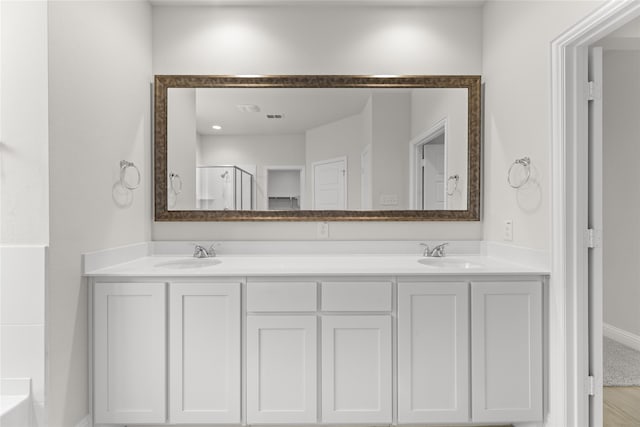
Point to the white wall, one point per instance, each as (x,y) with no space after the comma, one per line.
(24,201)
(517,100)
(296,40)
(342,138)
(391,119)
(181,147)
(621,97)
(255,150)
(430,107)
(516,74)
(24,194)
(99,104)
(23,275)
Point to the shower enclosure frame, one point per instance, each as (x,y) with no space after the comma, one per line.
(237,170)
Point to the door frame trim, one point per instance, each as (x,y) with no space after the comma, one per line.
(568,331)
(441,126)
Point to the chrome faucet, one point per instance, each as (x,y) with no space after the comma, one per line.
(437,251)
(202,252)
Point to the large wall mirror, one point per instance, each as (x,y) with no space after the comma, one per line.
(311,148)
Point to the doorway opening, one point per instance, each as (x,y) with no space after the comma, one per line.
(285,188)
(614,206)
(577,250)
(428,164)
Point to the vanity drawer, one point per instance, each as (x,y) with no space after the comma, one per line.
(361,296)
(281,296)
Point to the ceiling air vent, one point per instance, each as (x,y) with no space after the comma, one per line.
(248,108)
(275,116)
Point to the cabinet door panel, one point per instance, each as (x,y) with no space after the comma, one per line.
(356,369)
(281,369)
(129,353)
(507,351)
(433,352)
(204,353)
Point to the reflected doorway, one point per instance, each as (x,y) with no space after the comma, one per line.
(428,158)
(285,188)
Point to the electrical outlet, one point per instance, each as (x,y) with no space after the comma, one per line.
(389,199)
(323,230)
(508,230)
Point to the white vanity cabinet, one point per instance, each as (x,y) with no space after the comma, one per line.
(204,353)
(356,369)
(497,331)
(357,351)
(129,368)
(433,352)
(348,335)
(282,352)
(318,350)
(281,369)
(131,343)
(506,343)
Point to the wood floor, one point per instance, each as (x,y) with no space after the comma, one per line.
(621,406)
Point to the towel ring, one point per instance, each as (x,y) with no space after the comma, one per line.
(525,162)
(124,165)
(173,177)
(455,178)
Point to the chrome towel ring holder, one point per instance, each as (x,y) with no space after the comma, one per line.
(124,165)
(173,178)
(525,163)
(456,179)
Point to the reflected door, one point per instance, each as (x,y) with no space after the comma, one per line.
(330,184)
(433,175)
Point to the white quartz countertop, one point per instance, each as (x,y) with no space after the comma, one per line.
(312,265)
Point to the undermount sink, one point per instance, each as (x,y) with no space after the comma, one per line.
(436,262)
(187,263)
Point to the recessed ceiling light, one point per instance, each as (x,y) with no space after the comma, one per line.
(216,127)
(248,76)
(385,75)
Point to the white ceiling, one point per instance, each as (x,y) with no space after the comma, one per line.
(302,109)
(430,3)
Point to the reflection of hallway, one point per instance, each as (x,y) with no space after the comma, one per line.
(621,406)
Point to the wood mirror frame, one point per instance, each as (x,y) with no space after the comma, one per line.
(164,82)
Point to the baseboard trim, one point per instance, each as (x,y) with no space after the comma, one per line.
(85,422)
(621,336)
